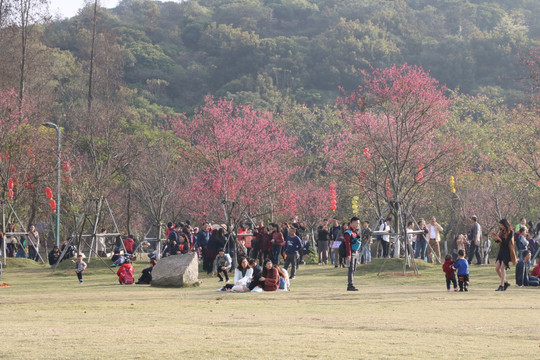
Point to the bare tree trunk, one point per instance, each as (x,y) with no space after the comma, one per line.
(128,215)
(25,11)
(91,74)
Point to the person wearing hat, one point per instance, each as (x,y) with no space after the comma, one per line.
(475,238)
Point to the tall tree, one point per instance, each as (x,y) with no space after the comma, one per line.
(28,14)
(239,156)
(394,143)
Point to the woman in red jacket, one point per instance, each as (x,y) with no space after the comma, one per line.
(277,243)
(269,280)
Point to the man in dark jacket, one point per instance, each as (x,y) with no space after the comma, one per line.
(523,268)
(293,244)
(475,236)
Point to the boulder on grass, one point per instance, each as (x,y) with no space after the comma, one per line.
(176,271)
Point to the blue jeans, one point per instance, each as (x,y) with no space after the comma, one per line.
(421,246)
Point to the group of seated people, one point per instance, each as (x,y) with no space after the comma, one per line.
(250,276)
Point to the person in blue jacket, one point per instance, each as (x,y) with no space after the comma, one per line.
(462,266)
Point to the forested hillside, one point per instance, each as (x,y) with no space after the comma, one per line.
(268,52)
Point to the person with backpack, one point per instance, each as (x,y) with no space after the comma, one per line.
(125,273)
(352,243)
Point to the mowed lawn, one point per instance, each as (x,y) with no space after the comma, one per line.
(50,316)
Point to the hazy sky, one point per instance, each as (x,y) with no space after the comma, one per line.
(68,8)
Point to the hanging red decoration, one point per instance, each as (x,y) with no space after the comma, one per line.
(333,197)
(367,153)
(420,172)
(388,192)
(48,193)
(10,194)
(52,204)
(11,184)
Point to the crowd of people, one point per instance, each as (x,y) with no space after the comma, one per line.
(280,248)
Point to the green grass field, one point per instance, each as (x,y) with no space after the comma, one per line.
(50,316)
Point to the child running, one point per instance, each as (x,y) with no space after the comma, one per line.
(450,272)
(462,267)
(80,265)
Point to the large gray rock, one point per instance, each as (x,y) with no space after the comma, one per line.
(176,270)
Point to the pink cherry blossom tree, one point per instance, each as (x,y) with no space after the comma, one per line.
(239,159)
(395,141)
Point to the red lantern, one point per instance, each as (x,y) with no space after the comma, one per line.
(388,193)
(10,194)
(367,154)
(48,193)
(332,186)
(52,204)
(333,202)
(333,207)
(11,184)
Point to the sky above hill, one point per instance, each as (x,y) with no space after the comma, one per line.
(68,8)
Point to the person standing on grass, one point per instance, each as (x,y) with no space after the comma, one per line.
(365,253)
(450,272)
(277,243)
(80,265)
(462,266)
(434,240)
(336,236)
(352,244)
(292,246)
(475,236)
(323,239)
(385,238)
(33,243)
(506,254)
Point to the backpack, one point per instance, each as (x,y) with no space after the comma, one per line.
(126,278)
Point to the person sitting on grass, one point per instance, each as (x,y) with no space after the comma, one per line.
(462,266)
(522,271)
(242,275)
(125,273)
(223,265)
(450,272)
(54,255)
(284,283)
(257,273)
(146,276)
(269,280)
